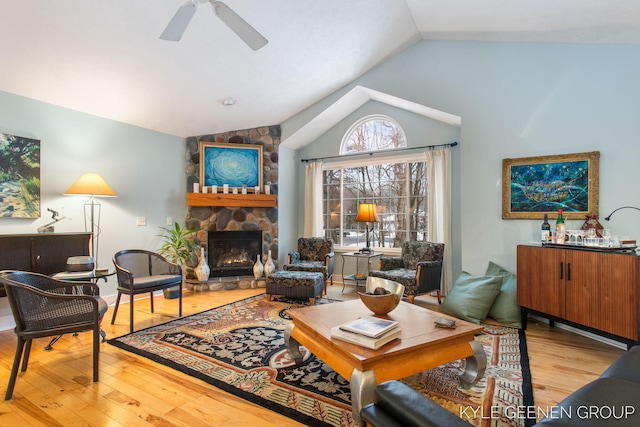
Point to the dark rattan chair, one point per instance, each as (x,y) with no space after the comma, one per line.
(141,271)
(45,307)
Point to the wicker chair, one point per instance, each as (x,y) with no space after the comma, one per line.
(418,268)
(141,271)
(46,307)
(314,254)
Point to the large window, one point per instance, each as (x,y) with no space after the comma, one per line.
(397,185)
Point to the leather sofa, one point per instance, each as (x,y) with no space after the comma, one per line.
(611,400)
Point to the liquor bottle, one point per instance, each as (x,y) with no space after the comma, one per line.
(546,230)
(560,231)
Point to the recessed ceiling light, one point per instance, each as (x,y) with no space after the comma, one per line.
(229,101)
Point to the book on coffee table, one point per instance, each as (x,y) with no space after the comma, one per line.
(369,342)
(369,326)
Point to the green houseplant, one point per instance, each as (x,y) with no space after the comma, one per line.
(179,247)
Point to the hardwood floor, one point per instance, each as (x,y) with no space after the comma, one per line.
(133,391)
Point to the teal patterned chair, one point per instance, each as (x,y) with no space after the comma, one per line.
(418,268)
(314,254)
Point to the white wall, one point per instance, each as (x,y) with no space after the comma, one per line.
(519,100)
(145,169)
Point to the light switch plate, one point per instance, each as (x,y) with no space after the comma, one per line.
(141,220)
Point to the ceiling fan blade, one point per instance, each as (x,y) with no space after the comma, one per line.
(178,24)
(246,32)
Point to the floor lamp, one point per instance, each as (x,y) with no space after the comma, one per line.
(92,185)
(367,213)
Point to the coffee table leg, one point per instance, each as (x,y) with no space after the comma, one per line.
(363,385)
(292,345)
(476,365)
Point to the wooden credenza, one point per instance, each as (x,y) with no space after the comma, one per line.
(596,291)
(44,253)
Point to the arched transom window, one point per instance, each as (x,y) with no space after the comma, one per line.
(373,133)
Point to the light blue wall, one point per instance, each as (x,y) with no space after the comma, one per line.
(287,203)
(145,169)
(518,100)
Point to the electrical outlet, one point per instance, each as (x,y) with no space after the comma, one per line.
(141,220)
(169,220)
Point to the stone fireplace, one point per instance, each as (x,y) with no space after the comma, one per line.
(240,219)
(233,253)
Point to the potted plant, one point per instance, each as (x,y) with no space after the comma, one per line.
(179,247)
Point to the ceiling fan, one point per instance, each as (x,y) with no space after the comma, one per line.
(180,21)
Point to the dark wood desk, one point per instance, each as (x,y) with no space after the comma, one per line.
(44,253)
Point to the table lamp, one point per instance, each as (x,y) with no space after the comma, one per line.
(92,185)
(367,213)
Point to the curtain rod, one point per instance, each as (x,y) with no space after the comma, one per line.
(371,153)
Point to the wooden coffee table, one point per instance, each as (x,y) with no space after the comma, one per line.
(421,346)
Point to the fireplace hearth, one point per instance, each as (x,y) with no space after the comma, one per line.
(233,253)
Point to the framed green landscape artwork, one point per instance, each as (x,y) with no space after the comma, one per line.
(19,177)
(533,186)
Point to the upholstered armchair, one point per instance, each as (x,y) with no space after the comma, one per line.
(314,254)
(418,268)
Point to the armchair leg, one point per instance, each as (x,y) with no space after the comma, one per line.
(131,313)
(180,300)
(438,295)
(96,352)
(115,308)
(14,369)
(27,353)
(151,298)
(411,298)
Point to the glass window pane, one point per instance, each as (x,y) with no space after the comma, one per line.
(399,191)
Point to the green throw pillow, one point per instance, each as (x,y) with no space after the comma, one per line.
(494,269)
(471,297)
(505,308)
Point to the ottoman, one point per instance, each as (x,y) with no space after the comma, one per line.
(295,284)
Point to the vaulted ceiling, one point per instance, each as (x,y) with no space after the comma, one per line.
(105,57)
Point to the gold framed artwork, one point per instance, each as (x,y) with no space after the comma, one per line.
(232,164)
(533,186)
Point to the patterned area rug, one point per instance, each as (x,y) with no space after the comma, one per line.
(239,348)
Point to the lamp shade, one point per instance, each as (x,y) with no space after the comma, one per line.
(367,213)
(90,184)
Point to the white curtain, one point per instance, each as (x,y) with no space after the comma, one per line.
(439,205)
(313,200)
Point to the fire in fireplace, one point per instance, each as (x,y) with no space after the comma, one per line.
(233,253)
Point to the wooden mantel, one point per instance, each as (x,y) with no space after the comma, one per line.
(241,200)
